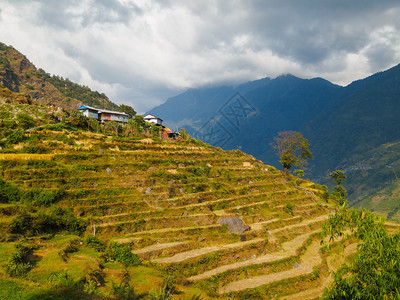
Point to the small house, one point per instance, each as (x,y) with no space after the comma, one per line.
(89,112)
(109,115)
(153,120)
(103,115)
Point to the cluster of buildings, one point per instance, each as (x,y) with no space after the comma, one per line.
(103,115)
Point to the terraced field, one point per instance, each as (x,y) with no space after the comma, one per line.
(221,223)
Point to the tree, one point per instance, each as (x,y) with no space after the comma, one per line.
(292,149)
(338,176)
(373,272)
(128,110)
(339,192)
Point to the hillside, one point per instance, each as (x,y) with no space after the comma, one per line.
(19,75)
(179,214)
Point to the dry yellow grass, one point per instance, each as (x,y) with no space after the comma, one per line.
(25,156)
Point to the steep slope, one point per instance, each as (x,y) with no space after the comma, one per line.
(18,74)
(205,217)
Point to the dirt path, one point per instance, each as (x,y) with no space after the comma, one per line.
(305,222)
(157,247)
(310,259)
(198,252)
(333,264)
(162,230)
(260,225)
(288,249)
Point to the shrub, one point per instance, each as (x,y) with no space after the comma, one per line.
(62,279)
(124,290)
(16,137)
(159,294)
(122,254)
(25,121)
(289,208)
(94,242)
(55,220)
(165,291)
(46,198)
(34,149)
(20,262)
(9,192)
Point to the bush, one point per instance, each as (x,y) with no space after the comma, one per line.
(124,290)
(53,221)
(25,121)
(9,192)
(122,254)
(62,279)
(20,262)
(16,137)
(47,198)
(34,149)
(94,242)
(165,291)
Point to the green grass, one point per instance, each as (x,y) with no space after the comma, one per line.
(11,289)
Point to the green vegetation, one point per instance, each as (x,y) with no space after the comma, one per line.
(373,271)
(339,193)
(115,212)
(122,254)
(292,149)
(79,92)
(20,262)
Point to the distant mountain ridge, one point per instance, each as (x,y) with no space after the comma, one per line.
(277,102)
(343,124)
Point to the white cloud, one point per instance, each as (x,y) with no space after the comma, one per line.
(139,52)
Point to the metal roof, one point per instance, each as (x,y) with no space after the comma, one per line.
(83,107)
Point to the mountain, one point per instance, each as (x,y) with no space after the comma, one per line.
(350,136)
(343,124)
(262,108)
(19,75)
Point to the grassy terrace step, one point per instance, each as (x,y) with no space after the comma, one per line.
(286,250)
(310,260)
(161,223)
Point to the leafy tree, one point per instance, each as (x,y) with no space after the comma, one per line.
(339,193)
(338,176)
(128,110)
(292,149)
(373,272)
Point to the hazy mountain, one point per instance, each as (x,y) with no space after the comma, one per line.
(249,116)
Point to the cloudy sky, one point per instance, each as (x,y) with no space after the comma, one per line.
(140,52)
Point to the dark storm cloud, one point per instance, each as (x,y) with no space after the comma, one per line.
(139,50)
